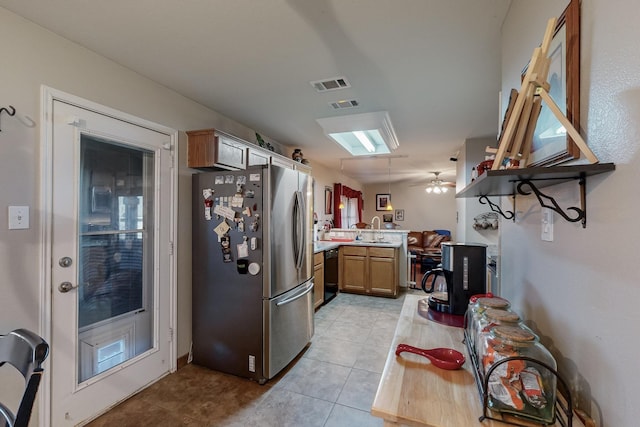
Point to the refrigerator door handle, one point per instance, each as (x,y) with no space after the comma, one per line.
(294,230)
(307,289)
(298,229)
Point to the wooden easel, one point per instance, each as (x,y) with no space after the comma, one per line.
(517,136)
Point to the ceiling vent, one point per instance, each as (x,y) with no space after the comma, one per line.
(338,105)
(335,83)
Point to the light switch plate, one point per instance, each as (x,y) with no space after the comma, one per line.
(547,225)
(18,217)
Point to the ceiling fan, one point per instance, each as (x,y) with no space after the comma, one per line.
(437,185)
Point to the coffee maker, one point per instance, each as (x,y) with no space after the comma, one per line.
(464,267)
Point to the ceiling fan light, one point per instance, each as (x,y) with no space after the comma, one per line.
(437,186)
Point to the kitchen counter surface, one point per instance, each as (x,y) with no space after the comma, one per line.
(413,392)
(325,245)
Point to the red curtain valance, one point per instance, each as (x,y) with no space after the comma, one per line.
(339,189)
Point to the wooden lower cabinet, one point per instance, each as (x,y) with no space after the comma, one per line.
(369,270)
(353,269)
(318,282)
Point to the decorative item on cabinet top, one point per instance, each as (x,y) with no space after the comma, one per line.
(262,143)
(297,155)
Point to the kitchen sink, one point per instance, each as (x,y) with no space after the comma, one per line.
(373,241)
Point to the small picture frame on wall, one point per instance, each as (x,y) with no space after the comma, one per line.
(382,200)
(387,218)
(399,214)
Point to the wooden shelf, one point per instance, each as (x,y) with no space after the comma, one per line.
(509,182)
(503,182)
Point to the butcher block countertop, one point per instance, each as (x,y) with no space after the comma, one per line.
(413,392)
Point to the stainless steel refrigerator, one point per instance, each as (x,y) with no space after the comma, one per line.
(252,269)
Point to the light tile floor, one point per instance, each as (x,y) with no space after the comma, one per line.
(331,384)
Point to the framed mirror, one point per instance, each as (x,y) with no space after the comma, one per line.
(328,201)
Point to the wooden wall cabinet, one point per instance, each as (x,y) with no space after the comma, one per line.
(318,281)
(208,149)
(258,157)
(369,270)
(283,162)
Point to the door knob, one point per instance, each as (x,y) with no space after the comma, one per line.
(65,287)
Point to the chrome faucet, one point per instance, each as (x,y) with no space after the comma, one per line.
(378,234)
(373,220)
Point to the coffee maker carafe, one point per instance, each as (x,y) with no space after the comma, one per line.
(464,268)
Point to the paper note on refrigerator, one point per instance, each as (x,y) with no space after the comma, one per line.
(224,211)
(222,229)
(237,201)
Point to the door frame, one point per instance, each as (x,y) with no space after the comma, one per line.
(47,96)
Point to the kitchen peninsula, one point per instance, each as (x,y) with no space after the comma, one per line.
(413,392)
(372,262)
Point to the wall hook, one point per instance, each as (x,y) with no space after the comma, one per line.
(5,110)
(27,121)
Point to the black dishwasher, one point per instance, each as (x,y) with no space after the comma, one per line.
(330,274)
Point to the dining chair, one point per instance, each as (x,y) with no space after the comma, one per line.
(25,351)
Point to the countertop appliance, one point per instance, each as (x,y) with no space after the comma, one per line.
(252,269)
(465,272)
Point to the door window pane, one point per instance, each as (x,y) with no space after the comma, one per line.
(116,224)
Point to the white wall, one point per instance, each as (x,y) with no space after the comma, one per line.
(325,177)
(581,291)
(422,211)
(473,152)
(33,56)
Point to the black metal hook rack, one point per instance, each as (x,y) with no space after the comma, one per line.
(484,200)
(550,203)
(564,406)
(510,182)
(10,111)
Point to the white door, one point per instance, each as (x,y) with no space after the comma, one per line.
(111,260)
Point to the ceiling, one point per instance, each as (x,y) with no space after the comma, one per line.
(434,65)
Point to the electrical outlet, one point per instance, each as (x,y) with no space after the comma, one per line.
(18,217)
(547,225)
